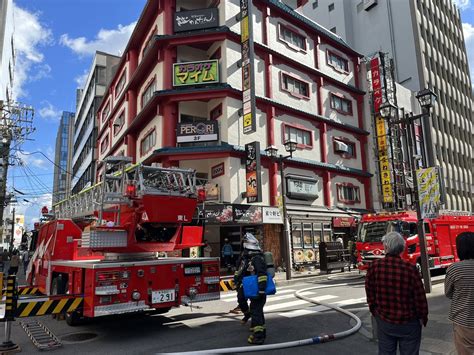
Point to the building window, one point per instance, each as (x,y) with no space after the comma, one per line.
(148,92)
(106,112)
(295,87)
(118,123)
(348,193)
(149,42)
(331,7)
(315,4)
(104,144)
(148,142)
(301,135)
(337,62)
(121,84)
(216,112)
(291,38)
(340,104)
(333,30)
(344,148)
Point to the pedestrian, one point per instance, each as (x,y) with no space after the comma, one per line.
(459,287)
(25,258)
(255,266)
(207,250)
(1,260)
(396,299)
(227,254)
(14,263)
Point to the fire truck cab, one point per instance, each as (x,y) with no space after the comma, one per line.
(108,245)
(440,235)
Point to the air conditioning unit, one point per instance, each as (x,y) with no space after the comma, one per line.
(368,4)
(341,147)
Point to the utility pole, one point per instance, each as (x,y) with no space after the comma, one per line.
(10,248)
(16,125)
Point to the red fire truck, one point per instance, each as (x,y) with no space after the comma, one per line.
(440,235)
(108,244)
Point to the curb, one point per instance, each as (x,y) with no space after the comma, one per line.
(318,277)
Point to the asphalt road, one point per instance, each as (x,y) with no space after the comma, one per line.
(210,325)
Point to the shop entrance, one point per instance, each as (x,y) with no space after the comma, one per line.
(234,235)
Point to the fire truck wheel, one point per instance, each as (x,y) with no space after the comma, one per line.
(74,318)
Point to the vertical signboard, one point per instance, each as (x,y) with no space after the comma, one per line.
(429,193)
(252,172)
(381,131)
(248,74)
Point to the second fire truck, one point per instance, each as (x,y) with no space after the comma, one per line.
(440,235)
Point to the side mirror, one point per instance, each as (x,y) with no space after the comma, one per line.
(405,229)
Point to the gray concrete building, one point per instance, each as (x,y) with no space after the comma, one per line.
(426,41)
(85,138)
(7,51)
(62,158)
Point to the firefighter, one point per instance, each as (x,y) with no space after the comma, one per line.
(256,266)
(242,302)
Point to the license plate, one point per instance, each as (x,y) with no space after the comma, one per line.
(162,296)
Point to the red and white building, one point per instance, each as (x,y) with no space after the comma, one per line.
(308,86)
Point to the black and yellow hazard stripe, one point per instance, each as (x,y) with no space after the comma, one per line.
(10,299)
(27,290)
(226,285)
(42,307)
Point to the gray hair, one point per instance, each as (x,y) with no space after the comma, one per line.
(393,243)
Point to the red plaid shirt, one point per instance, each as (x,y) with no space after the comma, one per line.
(395,292)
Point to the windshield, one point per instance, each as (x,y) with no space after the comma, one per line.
(374,231)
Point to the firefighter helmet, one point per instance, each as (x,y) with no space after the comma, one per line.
(250,242)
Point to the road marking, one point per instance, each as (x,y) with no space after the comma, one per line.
(234,298)
(275,307)
(316,309)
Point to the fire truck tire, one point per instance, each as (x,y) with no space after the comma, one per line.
(74,318)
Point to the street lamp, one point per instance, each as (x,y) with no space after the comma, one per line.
(272,153)
(426,99)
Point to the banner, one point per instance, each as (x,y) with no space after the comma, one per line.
(196,73)
(247,214)
(381,131)
(253,172)
(196,19)
(206,131)
(429,192)
(248,74)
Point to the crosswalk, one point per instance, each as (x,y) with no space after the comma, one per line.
(285,299)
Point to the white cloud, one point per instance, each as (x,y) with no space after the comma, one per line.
(468,31)
(48,111)
(25,158)
(30,36)
(110,41)
(462,4)
(40,72)
(32,209)
(81,79)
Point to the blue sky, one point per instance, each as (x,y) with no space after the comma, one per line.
(55,41)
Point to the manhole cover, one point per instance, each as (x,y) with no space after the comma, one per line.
(78,337)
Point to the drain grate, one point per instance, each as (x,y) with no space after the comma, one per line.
(78,337)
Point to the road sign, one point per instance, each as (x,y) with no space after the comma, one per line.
(429,191)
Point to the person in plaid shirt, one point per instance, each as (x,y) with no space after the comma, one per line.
(396,299)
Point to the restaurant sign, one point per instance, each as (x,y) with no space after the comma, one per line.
(302,188)
(247,214)
(253,172)
(204,131)
(196,19)
(196,73)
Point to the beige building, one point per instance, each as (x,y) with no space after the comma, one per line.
(426,41)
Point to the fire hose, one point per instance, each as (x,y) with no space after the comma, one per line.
(291,344)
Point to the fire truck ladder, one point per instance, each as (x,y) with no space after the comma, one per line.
(114,181)
(110,193)
(40,335)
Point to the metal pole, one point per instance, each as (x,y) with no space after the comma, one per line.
(285,236)
(425,270)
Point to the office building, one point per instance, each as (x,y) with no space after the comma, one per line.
(62,158)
